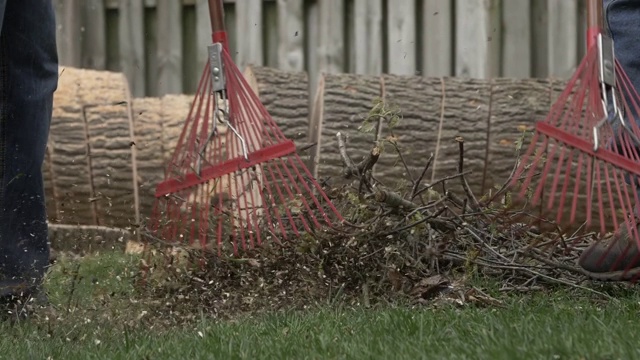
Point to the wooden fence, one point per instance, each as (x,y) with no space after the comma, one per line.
(160,45)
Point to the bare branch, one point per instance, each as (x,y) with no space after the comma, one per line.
(394,200)
(351,168)
(474,202)
(416,183)
(368,163)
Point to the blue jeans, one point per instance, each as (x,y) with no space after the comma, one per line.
(622,22)
(28,79)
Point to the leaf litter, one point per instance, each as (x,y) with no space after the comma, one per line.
(413,242)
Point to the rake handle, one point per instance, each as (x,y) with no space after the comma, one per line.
(595,21)
(216,14)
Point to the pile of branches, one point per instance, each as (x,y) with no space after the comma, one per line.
(455,229)
(415,243)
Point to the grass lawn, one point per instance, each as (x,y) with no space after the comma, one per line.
(105,323)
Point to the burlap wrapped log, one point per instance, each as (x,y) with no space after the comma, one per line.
(105,147)
(157,126)
(490,115)
(88,168)
(107,151)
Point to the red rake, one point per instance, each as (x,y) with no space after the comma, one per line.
(588,125)
(234,178)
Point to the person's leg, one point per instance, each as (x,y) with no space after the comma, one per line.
(622,22)
(28,79)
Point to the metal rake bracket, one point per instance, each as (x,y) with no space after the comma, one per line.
(219,82)
(608,87)
(582,152)
(221,114)
(219,87)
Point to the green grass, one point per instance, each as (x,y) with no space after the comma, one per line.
(105,324)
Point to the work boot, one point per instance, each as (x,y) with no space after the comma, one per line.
(20,304)
(615,258)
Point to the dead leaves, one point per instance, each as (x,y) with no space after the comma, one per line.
(439,289)
(474,296)
(429,287)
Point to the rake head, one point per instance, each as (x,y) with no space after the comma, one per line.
(584,158)
(234,180)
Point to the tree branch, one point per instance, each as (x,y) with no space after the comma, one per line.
(475,206)
(394,200)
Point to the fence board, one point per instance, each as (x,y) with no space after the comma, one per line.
(230,20)
(203,33)
(401,37)
(348,36)
(367,37)
(151,49)
(477,38)
(68,12)
(582,29)
(331,42)
(563,37)
(516,54)
(313,40)
(113,4)
(190,72)
(540,22)
(112,21)
(270,37)
(437,51)
(290,35)
(131,41)
(249,24)
(170,47)
(94,47)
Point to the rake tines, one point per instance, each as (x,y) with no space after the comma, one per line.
(583,158)
(235,180)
